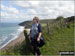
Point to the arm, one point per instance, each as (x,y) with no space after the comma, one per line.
(40,32)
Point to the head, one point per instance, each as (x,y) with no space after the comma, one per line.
(35,20)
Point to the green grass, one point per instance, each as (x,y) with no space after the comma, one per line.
(58,40)
(43,25)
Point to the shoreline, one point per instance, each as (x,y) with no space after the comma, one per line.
(19,40)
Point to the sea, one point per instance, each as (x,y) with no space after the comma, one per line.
(9,32)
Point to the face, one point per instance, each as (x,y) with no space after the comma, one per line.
(34,20)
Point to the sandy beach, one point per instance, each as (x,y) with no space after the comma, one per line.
(18,40)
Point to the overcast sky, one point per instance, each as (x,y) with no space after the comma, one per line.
(19,11)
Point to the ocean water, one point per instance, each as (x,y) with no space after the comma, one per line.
(9,32)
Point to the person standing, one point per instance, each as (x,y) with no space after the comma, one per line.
(35,35)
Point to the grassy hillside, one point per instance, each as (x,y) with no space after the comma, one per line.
(60,38)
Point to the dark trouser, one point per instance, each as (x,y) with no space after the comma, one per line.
(36,48)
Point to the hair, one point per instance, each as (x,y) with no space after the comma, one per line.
(37,19)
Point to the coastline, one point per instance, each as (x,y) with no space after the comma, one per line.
(18,40)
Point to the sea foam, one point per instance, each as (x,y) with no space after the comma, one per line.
(11,37)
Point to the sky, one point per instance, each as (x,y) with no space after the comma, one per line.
(23,10)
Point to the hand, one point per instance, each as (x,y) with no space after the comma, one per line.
(38,39)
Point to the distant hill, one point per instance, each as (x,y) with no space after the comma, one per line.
(69,19)
(26,23)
